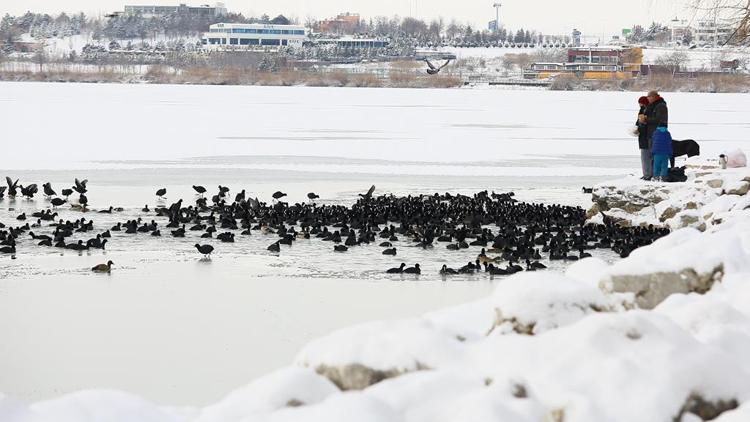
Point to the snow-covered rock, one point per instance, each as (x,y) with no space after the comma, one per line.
(633,202)
(740,414)
(685,261)
(357,357)
(634,365)
(532,303)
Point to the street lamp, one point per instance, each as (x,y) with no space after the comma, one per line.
(497,16)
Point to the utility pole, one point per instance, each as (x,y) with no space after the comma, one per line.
(497,16)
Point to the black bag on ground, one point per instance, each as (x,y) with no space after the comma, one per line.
(677,174)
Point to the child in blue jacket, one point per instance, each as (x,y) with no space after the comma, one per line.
(661,149)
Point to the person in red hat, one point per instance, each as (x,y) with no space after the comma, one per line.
(644,143)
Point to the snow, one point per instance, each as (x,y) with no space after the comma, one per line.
(544,301)
(384,345)
(98,405)
(270,393)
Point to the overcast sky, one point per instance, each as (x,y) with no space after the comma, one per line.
(594,17)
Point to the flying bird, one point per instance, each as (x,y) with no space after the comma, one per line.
(161,192)
(434,70)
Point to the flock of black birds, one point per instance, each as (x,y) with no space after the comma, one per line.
(512,235)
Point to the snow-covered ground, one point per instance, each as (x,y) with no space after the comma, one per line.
(177,331)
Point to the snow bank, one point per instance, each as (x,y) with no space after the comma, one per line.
(289,387)
(97,406)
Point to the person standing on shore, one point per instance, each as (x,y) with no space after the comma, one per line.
(644,143)
(656,115)
(662,150)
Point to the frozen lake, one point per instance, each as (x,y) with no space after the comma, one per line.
(178,330)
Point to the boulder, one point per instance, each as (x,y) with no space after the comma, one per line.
(356,357)
(652,288)
(739,189)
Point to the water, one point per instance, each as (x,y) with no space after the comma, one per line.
(177,329)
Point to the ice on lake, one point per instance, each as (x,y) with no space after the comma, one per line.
(178,330)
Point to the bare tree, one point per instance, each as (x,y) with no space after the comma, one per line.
(673,61)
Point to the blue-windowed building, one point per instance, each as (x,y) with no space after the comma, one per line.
(230,36)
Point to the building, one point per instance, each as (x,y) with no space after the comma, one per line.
(343,24)
(576,38)
(204,11)
(712,32)
(680,31)
(592,63)
(352,43)
(231,36)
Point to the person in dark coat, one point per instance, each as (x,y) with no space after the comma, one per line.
(644,143)
(655,115)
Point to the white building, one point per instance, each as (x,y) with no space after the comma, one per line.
(679,29)
(151,11)
(352,43)
(231,36)
(712,32)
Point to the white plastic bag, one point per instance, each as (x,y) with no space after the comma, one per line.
(736,158)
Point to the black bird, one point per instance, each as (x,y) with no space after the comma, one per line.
(199,189)
(80,186)
(161,192)
(56,202)
(447,271)
(66,192)
(340,248)
(2,191)
(278,195)
(434,70)
(12,186)
(48,190)
(205,249)
(274,248)
(8,249)
(83,200)
(413,270)
(103,268)
(29,191)
(312,196)
(391,251)
(145,208)
(398,270)
(369,193)
(587,190)
(240,197)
